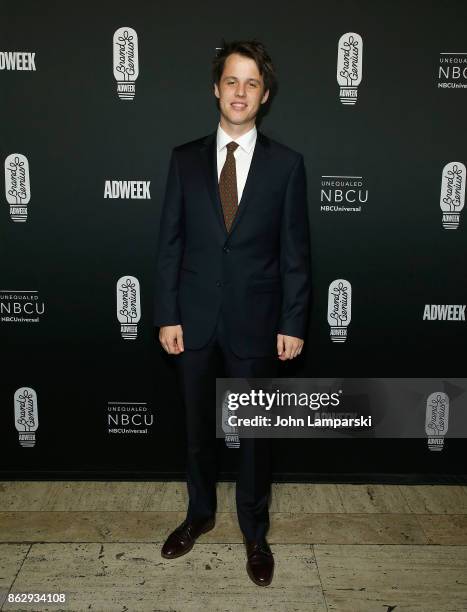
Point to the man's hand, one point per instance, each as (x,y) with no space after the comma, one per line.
(171,338)
(288,347)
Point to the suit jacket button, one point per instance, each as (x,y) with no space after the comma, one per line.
(218,283)
(226,249)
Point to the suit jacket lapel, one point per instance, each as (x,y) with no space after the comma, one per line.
(209,158)
(257,174)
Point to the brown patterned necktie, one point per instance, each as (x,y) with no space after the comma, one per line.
(228,186)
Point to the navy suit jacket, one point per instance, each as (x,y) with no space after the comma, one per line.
(258,274)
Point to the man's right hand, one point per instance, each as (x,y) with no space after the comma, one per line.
(171,338)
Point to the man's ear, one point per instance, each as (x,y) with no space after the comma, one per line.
(216,91)
(265,96)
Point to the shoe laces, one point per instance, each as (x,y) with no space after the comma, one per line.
(184,530)
(261,547)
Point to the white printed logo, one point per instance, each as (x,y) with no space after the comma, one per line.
(444,312)
(452,71)
(342,193)
(21,306)
(17,60)
(129,418)
(349,66)
(127,190)
(128,306)
(126,65)
(452,193)
(17,186)
(26,416)
(339,309)
(232,439)
(436,419)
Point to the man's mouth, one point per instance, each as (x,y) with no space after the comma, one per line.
(238,105)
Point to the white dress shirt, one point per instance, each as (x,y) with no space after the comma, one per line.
(243,155)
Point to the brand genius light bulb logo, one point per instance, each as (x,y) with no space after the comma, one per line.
(232,439)
(339,309)
(452,193)
(17,186)
(125,62)
(26,416)
(349,66)
(437,419)
(128,306)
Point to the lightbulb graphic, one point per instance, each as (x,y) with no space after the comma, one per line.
(17,186)
(26,416)
(436,419)
(452,193)
(128,306)
(232,439)
(339,309)
(125,62)
(349,66)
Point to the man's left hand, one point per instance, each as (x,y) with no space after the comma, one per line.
(288,347)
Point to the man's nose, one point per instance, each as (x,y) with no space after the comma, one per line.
(240,91)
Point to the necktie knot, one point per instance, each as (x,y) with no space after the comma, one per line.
(232,146)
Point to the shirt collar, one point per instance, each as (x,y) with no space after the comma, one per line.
(246,142)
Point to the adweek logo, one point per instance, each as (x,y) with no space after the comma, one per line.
(125,62)
(17,60)
(349,67)
(17,186)
(339,309)
(444,312)
(341,193)
(127,190)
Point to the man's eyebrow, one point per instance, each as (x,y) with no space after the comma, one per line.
(248,79)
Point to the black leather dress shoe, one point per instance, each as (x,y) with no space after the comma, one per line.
(182,539)
(260,564)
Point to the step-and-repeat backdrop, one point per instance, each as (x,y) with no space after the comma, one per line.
(93,98)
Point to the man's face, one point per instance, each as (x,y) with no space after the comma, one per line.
(240,90)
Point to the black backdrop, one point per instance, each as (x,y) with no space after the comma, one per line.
(66,118)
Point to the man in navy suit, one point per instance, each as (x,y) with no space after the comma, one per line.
(232,285)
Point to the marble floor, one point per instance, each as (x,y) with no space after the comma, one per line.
(339,548)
